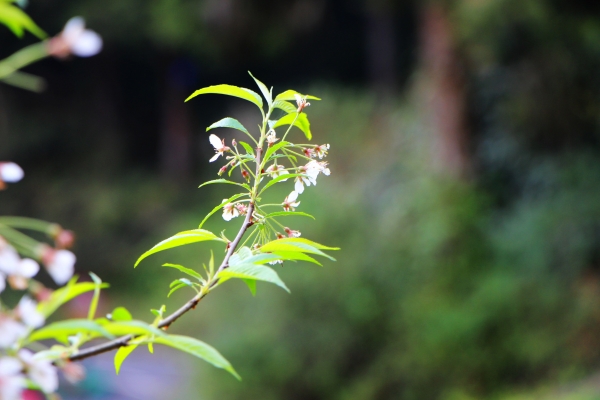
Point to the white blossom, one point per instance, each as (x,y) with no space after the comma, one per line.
(10,331)
(321,150)
(10,172)
(12,382)
(292,233)
(9,259)
(290,203)
(75,39)
(271,138)
(42,372)
(28,313)
(27,268)
(275,170)
(230,211)
(309,176)
(219,146)
(60,264)
(301,102)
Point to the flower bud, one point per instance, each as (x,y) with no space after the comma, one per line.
(233,142)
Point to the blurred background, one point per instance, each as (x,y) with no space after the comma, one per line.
(465,191)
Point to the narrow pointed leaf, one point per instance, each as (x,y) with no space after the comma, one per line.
(61,330)
(199,349)
(285,106)
(180,239)
(244,185)
(288,214)
(228,123)
(185,270)
(274,148)
(309,242)
(248,148)
(290,95)
(286,246)
(252,271)
(121,355)
(279,179)
(251,283)
(230,90)
(120,314)
(264,90)
(66,293)
(296,255)
(301,123)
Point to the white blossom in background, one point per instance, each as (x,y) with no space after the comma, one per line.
(10,172)
(42,372)
(230,211)
(28,313)
(292,233)
(316,167)
(219,146)
(321,150)
(276,170)
(12,382)
(75,39)
(10,331)
(290,203)
(26,269)
(60,264)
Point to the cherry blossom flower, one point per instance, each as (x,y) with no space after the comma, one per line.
(290,203)
(12,382)
(19,278)
(10,172)
(309,177)
(59,264)
(321,150)
(42,372)
(10,331)
(28,313)
(317,166)
(301,102)
(18,271)
(271,139)
(310,153)
(291,232)
(229,211)
(75,39)
(241,208)
(219,145)
(222,170)
(276,170)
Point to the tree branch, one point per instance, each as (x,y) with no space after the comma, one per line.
(191,304)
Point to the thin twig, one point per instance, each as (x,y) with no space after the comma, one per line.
(191,304)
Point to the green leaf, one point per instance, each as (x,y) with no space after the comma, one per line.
(180,239)
(94,303)
(66,293)
(199,349)
(293,245)
(178,284)
(290,95)
(132,327)
(18,21)
(120,314)
(285,106)
(288,214)
(185,270)
(295,255)
(301,123)
(251,283)
(244,185)
(230,90)
(309,242)
(252,271)
(228,123)
(217,208)
(279,179)
(61,330)
(263,88)
(274,148)
(241,255)
(248,148)
(260,258)
(122,354)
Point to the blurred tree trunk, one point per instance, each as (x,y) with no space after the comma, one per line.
(176,133)
(381,48)
(446,98)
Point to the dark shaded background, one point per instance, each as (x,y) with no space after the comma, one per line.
(465,187)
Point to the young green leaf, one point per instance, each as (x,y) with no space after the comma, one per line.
(228,122)
(285,106)
(96,297)
(66,293)
(61,330)
(295,255)
(274,148)
(278,179)
(185,270)
(288,214)
(308,242)
(217,208)
(301,122)
(120,314)
(230,90)
(244,185)
(17,21)
(263,89)
(290,95)
(288,245)
(122,354)
(251,283)
(180,239)
(199,349)
(252,271)
(248,148)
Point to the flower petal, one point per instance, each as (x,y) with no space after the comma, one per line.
(88,44)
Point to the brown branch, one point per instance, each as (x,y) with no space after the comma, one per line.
(191,304)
